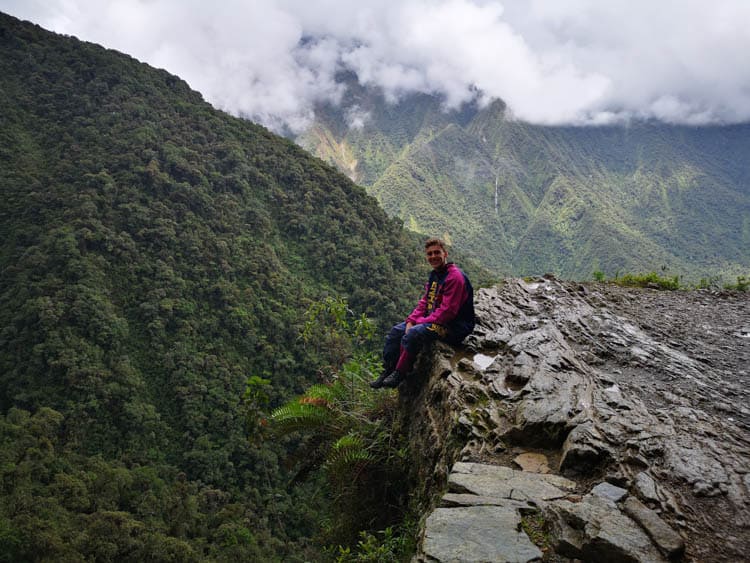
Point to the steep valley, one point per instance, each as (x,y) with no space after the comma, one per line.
(526,199)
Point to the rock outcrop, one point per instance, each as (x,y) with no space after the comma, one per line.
(618,418)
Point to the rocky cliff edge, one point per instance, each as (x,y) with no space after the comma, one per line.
(586,422)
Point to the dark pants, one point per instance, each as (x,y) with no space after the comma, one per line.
(406,345)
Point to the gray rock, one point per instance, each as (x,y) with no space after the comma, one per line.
(609,492)
(477,534)
(697,466)
(584,448)
(570,541)
(595,530)
(669,542)
(523,368)
(451,500)
(504,482)
(606,384)
(645,487)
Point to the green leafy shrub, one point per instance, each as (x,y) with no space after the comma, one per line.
(389,548)
(743,283)
(652,279)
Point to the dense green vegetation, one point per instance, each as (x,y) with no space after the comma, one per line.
(651,279)
(527,200)
(742,284)
(352,435)
(655,281)
(157,254)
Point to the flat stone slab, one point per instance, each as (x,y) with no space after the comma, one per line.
(504,482)
(480,518)
(477,534)
(450,500)
(645,486)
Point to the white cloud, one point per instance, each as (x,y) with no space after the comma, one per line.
(551,61)
(356,117)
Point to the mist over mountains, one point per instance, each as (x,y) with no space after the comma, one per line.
(526,199)
(553,61)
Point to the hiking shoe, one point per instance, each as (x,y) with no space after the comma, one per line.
(393,380)
(378,383)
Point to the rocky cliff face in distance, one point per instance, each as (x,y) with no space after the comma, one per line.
(587,422)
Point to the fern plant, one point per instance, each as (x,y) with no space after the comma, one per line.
(346,430)
(347,458)
(350,423)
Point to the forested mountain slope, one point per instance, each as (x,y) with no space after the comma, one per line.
(155,253)
(529,199)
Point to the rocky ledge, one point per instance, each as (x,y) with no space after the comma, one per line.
(587,422)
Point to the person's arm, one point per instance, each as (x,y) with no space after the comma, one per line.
(419,310)
(454,295)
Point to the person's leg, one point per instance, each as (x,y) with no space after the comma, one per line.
(391,351)
(392,347)
(411,344)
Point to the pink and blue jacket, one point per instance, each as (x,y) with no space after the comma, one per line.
(448,301)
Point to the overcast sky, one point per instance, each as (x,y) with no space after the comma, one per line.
(551,61)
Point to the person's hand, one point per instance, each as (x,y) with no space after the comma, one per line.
(408,327)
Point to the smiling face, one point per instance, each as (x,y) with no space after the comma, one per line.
(436,256)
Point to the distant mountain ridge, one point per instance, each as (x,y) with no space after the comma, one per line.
(526,199)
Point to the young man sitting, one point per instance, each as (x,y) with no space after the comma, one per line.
(445,311)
